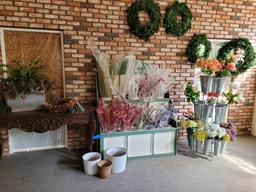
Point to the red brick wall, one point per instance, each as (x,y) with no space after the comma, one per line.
(104,21)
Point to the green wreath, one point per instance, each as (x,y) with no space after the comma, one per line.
(242,43)
(154,12)
(171,22)
(195,50)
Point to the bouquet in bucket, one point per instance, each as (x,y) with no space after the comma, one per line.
(118,114)
(214,67)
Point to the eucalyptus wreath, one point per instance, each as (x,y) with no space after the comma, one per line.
(154,12)
(242,43)
(171,22)
(198,47)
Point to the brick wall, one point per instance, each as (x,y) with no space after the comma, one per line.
(104,21)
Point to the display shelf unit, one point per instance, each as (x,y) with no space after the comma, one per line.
(142,143)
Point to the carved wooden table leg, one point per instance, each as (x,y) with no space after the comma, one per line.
(92,127)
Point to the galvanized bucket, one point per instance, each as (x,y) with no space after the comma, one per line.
(207,112)
(206,82)
(220,113)
(218,85)
(199,109)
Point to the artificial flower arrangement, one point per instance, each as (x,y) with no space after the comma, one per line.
(214,67)
(191,92)
(230,129)
(200,135)
(189,123)
(233,96)
(118,114)
(155,115)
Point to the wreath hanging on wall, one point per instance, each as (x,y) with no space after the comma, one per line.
(171,22)
(154,12)
(198,47)
(244,44)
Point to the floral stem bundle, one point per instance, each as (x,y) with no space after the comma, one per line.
(118,114)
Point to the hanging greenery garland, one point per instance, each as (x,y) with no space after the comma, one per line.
(171,22)
(198,47)
(244,44)
(138,29)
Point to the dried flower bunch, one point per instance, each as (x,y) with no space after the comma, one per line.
(118,114)
(155,115)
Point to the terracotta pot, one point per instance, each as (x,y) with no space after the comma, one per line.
(104,169)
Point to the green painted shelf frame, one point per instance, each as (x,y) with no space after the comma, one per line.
(141,132)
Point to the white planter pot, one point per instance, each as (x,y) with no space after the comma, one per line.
(217,145)
(90,161)
(223,147)
(29,103)
(118,157)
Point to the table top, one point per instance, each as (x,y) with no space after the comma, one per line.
(40,121)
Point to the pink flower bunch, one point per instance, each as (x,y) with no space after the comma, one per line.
(147,86)
(118,114)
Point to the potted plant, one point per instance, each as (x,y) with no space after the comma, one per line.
(225,140)
(217,142)
(191,126)
(200,136)
(25,86)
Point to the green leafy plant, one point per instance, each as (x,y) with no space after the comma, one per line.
(24,79)
(191,93)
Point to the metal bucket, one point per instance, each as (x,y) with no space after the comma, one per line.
(198,109)
(218,85)
(206,82)
(207,112)
(220,113)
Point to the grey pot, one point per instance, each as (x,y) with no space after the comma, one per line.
(207,112)
(198,109)
(207,146)
(206,82)
(223,147)
(217,146)
(29,103)
(218,84)
(220,113)
(198,146)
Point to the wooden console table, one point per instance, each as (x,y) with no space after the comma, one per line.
(40,121)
